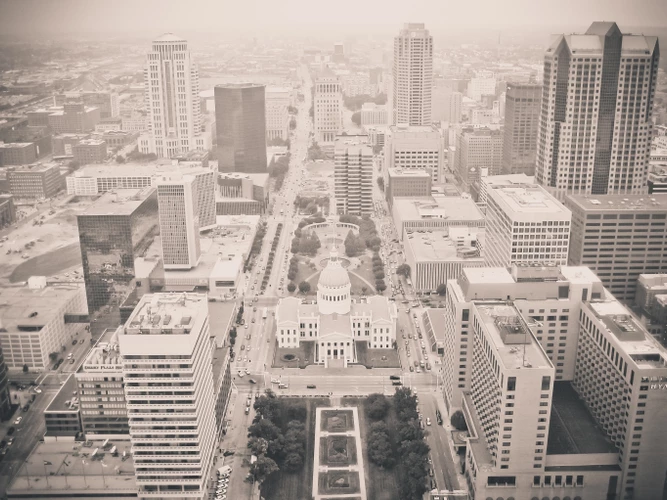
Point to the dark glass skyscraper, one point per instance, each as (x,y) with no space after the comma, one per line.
(113,234)
(241,127)
(5,402)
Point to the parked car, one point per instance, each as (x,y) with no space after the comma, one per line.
(311,386)
(394,377)
(18,420)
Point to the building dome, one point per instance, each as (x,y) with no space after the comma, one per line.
(334,275)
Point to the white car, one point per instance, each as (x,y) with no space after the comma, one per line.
(18,420)
(428,421)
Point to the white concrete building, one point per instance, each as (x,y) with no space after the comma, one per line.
(166,350)
(412,76)
(486,181)
(33,320)
(327,110)
(374,114)
(336,324)
(415,148)
(595,126)
(525,224)
(171,95)
(482,84)
(277,101)
(353,175)
(437,256)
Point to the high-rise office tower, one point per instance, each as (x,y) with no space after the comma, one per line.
(166,351)
(327,110)
(619,237)
(117,230)
(353,175)
(179,222)
(524,223)
(5,401)
(595,125)
(171,95)
(522,115)
(278,100)
(412,76)
(240,119)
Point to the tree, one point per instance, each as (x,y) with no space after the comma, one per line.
(380,182)
(292,124)
(304,287)
(293,461)
(379,275)
(268,408)
(364,289)
(263,468)
(404,270)
(458,421)
(356,118)
(120,159)
(291,287)
(377,406)
(258,446)
(380,446)
(53,356)
(441,290)
(25,368)
(380,287)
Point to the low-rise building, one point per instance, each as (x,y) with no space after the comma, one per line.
(39,319)
(374,114)
(63,416)
(109,124)
(435,212)
(89,151)
(39,180)
(406,183)
(17,153)
(439,255)
(62,143)
(651,299)
(118,138)
(242,194)
(73,118)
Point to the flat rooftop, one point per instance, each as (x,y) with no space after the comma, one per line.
(65,469)
(408,172)
(528,199)
(572,429)
(620,202)
(104,356)
(119,202)
(508,180)
(66,399)
(159,314)
(438,207)
(35,167)
(134,170)
(490,275)
(14,145)
(501,319)
(440,246)
(27,310)
(632,336)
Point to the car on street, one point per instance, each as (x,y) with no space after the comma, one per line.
(18,420)
(428,421)
(252,381)
(311,386)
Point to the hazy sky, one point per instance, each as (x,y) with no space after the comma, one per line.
(255,17)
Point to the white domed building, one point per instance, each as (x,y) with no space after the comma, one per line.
(336,323)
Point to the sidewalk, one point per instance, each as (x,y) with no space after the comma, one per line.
(448,427)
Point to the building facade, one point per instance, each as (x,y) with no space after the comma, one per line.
(522,115)
(171,96)
(40,180)
(7,210)
(410,183)
(525,224)
(374,114)
(595,125)
(178,414)
(353,175)
(240,119)
(115,235)
(412,76)
(477,148)
(415,148)
(327,110)
(619,237)
(89,151)
(278,100)
(17,153)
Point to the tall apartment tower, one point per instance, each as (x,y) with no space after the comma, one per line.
(412,76)
(353,175)
(240,119)
(522,115)
(327,110)
(171,96)
(166,351)
(524,223)
(595,125)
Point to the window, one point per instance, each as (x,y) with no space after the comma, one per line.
(511,383)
